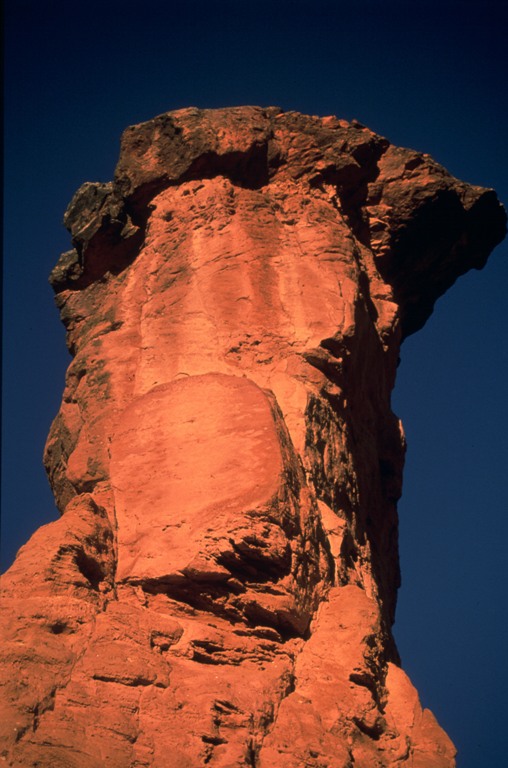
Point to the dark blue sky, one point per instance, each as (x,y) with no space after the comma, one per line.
(429,75)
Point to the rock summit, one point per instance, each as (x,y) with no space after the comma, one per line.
(221,586)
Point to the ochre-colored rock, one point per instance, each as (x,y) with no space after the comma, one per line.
(221,586)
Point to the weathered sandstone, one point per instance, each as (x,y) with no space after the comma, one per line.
(221,586)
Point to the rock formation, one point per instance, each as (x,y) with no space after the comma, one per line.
(221,586)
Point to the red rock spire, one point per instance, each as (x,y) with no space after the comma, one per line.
(221,586)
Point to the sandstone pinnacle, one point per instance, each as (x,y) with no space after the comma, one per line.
(221,586)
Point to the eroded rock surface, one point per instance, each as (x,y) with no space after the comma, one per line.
(221,586)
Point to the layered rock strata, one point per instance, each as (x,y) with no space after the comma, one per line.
(221,586)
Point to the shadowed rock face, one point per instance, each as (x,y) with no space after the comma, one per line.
(221,586)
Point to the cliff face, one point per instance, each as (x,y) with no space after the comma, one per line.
(221,586)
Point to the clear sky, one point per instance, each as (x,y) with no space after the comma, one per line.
(428,75)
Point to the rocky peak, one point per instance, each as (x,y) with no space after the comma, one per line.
(221,586)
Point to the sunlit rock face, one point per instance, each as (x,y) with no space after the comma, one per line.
(221,586)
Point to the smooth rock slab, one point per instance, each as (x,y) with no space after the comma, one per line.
(189,459)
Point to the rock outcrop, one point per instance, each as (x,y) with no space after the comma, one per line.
(221,586)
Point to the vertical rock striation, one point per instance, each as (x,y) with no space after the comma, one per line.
(221,586)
